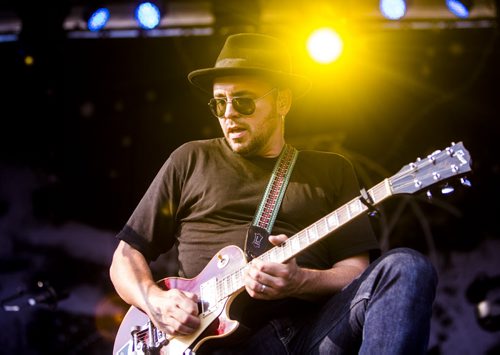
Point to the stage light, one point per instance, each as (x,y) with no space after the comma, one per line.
(148,15)
(324,45)
(393,9)
(459,8)
(97,19)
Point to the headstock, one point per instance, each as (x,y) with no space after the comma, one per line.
(453,161)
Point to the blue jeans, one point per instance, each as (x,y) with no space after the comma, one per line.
(386,310)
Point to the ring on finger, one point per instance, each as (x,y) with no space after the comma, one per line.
(263,287)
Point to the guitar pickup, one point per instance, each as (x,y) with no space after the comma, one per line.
(208,295)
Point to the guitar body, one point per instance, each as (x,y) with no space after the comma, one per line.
(215,322)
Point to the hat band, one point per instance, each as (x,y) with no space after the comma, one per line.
(243,63)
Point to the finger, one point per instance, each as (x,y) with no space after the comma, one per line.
(176,327)
(175,292)
(256,287)
(258,274)
(191,303)
(186,321)
(277,239)
(271,277)
(184,300)
(262,288)
(192,296)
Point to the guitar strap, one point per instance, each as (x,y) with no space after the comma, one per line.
(257,240)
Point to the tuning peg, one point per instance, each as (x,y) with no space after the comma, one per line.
(432,156)
(466,182)
(429,194)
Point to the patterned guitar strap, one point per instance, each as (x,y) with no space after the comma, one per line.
(257,240)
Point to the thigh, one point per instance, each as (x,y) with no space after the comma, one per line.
(334,328)
(398,285)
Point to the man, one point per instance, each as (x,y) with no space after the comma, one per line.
(329,298)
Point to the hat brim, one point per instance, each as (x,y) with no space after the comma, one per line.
(204,78)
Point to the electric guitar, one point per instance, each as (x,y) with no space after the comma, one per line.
(222,279)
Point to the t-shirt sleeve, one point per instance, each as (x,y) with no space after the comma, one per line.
(150,229)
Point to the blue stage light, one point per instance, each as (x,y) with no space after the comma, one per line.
(148,15)
(98,19)
(459,8)
(393,9)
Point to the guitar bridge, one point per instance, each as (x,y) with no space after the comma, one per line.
(146,340)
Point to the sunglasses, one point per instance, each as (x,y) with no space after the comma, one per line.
(243,105)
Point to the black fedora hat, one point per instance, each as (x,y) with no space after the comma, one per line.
(252,54)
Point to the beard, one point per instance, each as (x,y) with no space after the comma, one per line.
(255,143)
(250,147)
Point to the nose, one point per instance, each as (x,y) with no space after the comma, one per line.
(230,110)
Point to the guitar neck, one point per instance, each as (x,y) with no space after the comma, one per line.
(326,225)
(300,241)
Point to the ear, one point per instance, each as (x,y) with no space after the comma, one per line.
(284,101)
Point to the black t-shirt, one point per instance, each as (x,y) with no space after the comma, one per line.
(205,196)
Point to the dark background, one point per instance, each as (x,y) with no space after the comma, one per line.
(86,127)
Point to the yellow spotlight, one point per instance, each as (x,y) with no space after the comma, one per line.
(324,45)
(29,60)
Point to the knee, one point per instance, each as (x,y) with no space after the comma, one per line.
(411,266)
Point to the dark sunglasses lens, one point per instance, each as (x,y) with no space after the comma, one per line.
(244,105)
(218,107)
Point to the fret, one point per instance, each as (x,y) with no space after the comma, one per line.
(231,287)
(228,287)
(322,227)
(295,243)
(316,230)
(373,193)
(332,221)
(266,257)
(221,288)
(305,238)
(279,254)
(272,254)
(219,292)
(354,208)
(299,240)
(312,234)
(238,278)
(283,254)
(381,191)
(287,247)
(342,215)
(347,212)
(376,193)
